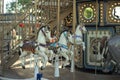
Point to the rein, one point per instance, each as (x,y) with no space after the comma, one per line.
(81,29)
(43,33)
(45,36)
(76,36)
(43,45)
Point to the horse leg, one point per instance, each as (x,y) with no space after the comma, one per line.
(22,58)
(83,45)
(44,59)
(35,60)
(107,63)
(12,44)
(66,59)
(99,56)
(118,68)
(51,55)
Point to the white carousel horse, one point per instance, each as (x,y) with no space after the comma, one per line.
(39,48)
(78,36)
(77,39)
(63,49)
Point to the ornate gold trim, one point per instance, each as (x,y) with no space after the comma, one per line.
(110,6)
(82,7)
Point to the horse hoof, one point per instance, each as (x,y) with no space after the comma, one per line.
(106,70)
(42,68)
(50,61)
(23,67)
(63,67)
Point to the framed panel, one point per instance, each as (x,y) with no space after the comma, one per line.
(113,12)
(87,12)
(93,56)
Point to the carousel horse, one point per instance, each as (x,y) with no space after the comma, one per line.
(62,47)
(38,47)
(112,55)
(14,38)
(78,36)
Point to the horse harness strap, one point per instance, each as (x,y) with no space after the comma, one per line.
(81,29)
(77,36)
(66,36)
(43,45)
(63,46)
(43,33)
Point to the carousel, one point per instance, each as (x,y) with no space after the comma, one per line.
(61,40)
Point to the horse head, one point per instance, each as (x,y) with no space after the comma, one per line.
(44,32)
(81,28)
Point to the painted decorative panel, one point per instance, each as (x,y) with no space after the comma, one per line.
(95,44)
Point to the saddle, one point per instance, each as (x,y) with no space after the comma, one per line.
(29,46)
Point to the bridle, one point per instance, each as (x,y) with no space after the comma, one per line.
(81,28)
(47,39)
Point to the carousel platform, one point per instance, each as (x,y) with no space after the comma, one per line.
(17,73)
(48,74)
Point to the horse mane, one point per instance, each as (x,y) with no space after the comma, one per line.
(61,33)
(40,29)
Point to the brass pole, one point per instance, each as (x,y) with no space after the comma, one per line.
(35,16)
(74,21)
(96,32)
(56,73)
(58,19)
(74,24)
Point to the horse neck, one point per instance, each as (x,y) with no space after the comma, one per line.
(41,38)
(62,39)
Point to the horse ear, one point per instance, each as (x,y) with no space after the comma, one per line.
(48,27)
(82,24)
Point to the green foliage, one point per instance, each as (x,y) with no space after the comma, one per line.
(20,6)
(11,6)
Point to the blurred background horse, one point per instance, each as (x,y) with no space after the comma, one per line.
(112,54)
(14,38)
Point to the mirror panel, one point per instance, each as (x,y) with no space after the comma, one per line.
(88,13)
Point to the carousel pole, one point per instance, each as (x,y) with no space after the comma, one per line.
(74,24)
(37,74)
(56,73)
(96,32)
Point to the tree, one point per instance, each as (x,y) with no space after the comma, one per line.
(18,6)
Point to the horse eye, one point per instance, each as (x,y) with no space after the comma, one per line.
(46,31)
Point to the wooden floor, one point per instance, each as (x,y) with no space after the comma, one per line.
(65,74)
